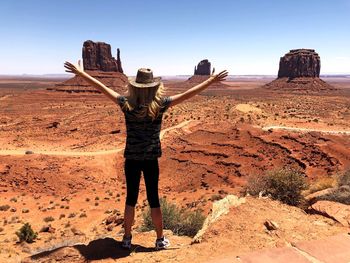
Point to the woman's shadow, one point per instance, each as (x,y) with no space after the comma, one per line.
(101,249)
(109,248)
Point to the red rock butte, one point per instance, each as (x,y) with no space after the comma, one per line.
(98,56)
(299,71)
(300,63)
(201,73)
(203,68)
(99,63)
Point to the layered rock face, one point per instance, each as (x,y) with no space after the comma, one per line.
(203,68)
(98,56)
(300,63)
(99,63)
(299,71)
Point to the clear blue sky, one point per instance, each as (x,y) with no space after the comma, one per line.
(243,36)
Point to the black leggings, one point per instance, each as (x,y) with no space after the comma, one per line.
(150,169)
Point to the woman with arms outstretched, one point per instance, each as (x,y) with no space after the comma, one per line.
(143,108)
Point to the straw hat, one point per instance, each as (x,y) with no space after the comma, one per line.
(144,79)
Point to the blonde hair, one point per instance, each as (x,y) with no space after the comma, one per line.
(150,100)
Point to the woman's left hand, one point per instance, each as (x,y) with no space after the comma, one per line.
(71,68)
(219,77)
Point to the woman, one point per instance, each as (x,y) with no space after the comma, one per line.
(143,108)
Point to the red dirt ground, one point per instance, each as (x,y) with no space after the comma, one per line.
(211,144)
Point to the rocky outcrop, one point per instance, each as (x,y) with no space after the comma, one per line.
(220,208)
(114,80)
(98,56)
(337,211)
(300,63)
(98,63)
(299,72)
(203,68)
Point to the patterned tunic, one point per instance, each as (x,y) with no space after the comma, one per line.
(142,140)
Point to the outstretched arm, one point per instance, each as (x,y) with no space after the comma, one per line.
(78,70)
(178,98)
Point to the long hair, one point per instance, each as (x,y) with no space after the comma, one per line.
(148,101)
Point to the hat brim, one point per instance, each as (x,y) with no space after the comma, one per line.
(156,82)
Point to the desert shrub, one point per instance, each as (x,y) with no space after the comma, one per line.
(285,185)
(48,219)
(4,207)
(344,178)
(321,184)
(216,197)
(71,215)
(83,215)
(192,223)
(341,193)
(26,233)
(256,184)
(179,221)
(171,216)
(13,199)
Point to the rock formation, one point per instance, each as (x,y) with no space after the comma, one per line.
(300,63)
(201,73)
(203,68)
(99,63)
(299,71)
(98,56)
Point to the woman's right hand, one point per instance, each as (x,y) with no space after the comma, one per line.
(219,77)
(75,69)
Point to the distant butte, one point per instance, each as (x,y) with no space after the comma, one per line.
(201,73)
(299,71)
(300,63)
(99,63)
(203,68)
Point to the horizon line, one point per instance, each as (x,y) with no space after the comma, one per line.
(175,75)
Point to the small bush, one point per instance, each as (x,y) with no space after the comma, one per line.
(179,221)
(13,199)
(256,184)
(4,207)
(216,197)
(285,185)
(71,215)
(193,222)
(341,194)
(344,179)
(48,219)
(26,233)
(321,184)
(83,215)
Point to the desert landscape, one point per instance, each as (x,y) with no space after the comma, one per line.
(61,169)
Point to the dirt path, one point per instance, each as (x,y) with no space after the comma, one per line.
(90,153)
(305,130)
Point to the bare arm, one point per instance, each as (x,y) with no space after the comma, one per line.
(178,98)
(78,70)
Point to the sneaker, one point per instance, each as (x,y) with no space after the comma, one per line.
(126,242)
(162,243)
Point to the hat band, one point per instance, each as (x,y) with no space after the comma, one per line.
(144,81)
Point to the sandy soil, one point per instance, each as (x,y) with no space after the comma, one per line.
(210,146)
